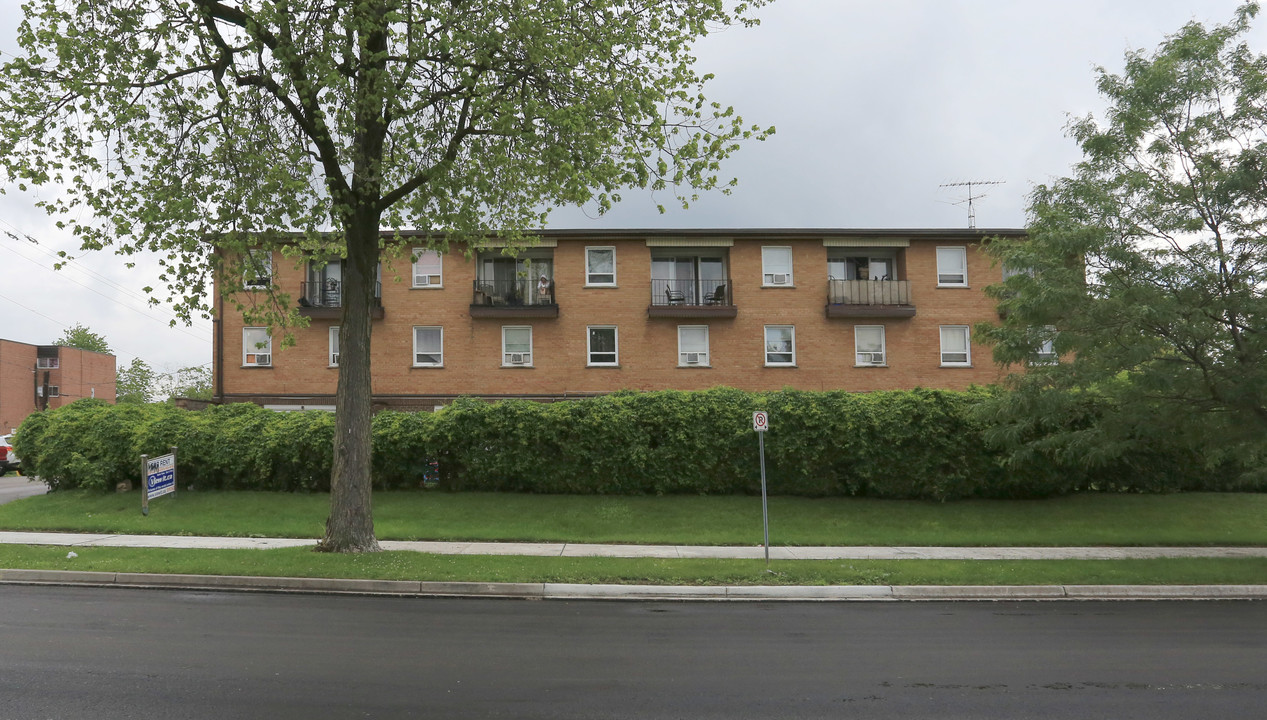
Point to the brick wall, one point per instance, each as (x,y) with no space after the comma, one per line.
(80,373)
(648,346)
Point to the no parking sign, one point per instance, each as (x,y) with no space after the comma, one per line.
(761,423)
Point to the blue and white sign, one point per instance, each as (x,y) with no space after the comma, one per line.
(160,476)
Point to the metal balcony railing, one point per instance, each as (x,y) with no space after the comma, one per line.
(517,292)
(691,292)
(329,294)
(868,292)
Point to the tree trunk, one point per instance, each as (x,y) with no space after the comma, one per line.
(350,527)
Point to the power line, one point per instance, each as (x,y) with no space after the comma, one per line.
(113,300)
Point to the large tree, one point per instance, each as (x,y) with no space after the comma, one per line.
(190,125)
(83,338)
(134,383)
(1146,269)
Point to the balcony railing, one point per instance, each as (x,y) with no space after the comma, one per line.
(874,298)
(518,291)
(516,297)
(690,292)
(329,294)
(691,298)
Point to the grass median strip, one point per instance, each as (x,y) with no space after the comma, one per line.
(1093,519)
(302,562)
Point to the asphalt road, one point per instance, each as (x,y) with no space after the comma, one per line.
(110,653)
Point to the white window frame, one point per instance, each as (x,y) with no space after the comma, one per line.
(765,344)
(431,280)
(46,363)
(858,352)
(417,351)
(249,349)
(506,355)
(1046,353)
(53,391)
(966,333)
(333,356)
(262,259)
(590,274)
(701,356)
(590,352)
(772,271)
(947,271)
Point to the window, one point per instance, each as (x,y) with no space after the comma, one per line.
(428,347)
(692,345)
(868,344)
(334,346)
(1046,355)
(47,363)
(952,266)
(955,349)
(602,346)
(53,391)
(259,269)
(600,266)
(257,347)
(428,268)
(780,345)
(517,346)
(776,266)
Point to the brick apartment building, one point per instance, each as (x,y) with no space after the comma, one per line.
(39,377)
(591,312)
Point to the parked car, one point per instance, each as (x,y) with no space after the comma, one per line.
(8,460)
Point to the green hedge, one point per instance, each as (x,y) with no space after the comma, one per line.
(926,444)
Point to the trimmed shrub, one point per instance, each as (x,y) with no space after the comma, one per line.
(924,444)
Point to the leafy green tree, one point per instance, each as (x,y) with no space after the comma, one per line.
(81,337)
(1145,269)
(134,383)
(201,128)
(190,382)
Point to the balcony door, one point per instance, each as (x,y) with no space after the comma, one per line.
(517,281)
(695,277)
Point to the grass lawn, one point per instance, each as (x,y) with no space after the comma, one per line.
(1124,520)
(302,562)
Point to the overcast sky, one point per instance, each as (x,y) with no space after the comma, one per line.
(876,104)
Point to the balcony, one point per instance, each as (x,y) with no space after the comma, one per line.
(691,299)
(324,299)
(869,298)
(514,298)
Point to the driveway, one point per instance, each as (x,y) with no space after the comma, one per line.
(13,487)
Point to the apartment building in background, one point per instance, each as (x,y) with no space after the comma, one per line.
(586,312)
(41,377)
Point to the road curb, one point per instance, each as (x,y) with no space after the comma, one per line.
(566,591)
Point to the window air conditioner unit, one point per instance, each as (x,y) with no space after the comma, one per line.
(870,358)
(263,359)
(779,278)
(692,358)
(334,359)
(422,280)
(518,358)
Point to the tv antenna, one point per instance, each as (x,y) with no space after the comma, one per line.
(972,211)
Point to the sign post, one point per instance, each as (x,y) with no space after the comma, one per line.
(159,478)
(761,423)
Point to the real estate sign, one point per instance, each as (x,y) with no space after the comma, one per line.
(160,478)
(160,475)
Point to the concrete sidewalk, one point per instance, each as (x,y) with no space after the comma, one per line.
(672,552)
(562,591)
